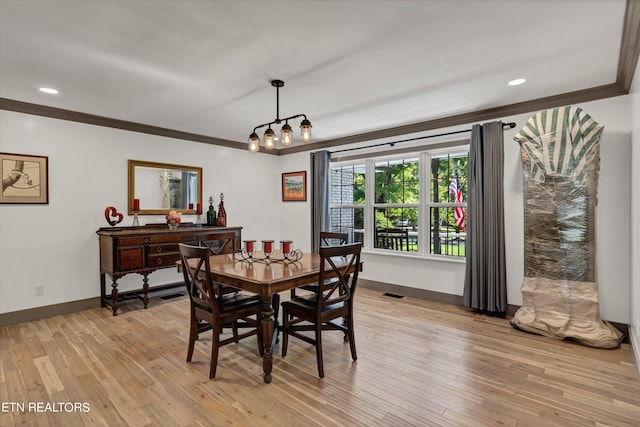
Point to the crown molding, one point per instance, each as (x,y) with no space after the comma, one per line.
(629,45)
(592,94)
(569,98)
(627,62)
(76,116)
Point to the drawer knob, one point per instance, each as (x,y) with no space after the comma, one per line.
(159,261)
(158,249)
(146,240)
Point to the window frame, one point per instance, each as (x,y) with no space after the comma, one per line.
(430,154)
(349,205)
(371,207)
(424,205)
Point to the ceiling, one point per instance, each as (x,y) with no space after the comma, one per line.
(353,67)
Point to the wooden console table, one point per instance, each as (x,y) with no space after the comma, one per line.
(145,249)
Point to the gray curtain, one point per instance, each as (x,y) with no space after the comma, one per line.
(485,282)
(319,196)
(187,184)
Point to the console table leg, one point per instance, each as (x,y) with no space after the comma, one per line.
(145,290)
(103,290)
(114,297)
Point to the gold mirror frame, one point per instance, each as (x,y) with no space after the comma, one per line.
(137,166)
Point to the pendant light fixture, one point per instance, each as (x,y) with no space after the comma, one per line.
(286,133)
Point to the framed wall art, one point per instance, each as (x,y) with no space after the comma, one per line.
(25,179)
(294,186)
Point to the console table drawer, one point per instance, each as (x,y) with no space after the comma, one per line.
(130,258)
(130,241)
(162,260)
(162,249)
(168,238)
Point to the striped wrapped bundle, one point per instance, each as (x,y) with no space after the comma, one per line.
(560,153)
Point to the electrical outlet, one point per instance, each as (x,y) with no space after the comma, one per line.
(39,290)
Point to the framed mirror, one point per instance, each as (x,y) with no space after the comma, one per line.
(161,187)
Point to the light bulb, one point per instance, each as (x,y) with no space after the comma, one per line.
(285,135)
(305,131)
(269,141)
(254,142)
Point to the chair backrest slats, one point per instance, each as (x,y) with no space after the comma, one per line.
(330,238)
(219,243)
(202,291)
(340,280)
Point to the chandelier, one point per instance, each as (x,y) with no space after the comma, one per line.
(286,133)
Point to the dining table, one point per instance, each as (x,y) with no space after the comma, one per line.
(267,278)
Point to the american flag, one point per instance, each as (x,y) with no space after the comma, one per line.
(458,211)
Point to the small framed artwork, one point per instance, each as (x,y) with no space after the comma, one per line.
(294,186)
(25,179)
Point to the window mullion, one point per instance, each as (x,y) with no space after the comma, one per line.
(423,209)
(369,221)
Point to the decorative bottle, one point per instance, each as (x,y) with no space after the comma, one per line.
(211,214)
(222,213)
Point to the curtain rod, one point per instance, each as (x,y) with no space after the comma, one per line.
(392,143)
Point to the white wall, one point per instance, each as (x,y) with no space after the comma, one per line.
(56,245)
(613,219)
(295,217)
(635,210)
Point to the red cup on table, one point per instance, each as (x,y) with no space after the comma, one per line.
(285,245)
(267,247)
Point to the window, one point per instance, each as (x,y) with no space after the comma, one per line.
(395,204)
(348,200)
(412,204)
(447,206)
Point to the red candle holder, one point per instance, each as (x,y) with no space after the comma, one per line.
(136,208)
(199,208)
(249,246)
(267,247)
(285,247)
(249,253)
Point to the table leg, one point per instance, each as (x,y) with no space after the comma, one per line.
(103,290)
(275,303)
(145,289)
(114,297)
(266,329)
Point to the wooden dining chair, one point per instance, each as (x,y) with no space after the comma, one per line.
(327,238)
(210,309)
(331,238)
(317,312)
(220,243)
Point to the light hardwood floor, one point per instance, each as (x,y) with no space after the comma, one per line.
(419,363)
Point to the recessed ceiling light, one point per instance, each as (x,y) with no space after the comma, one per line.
(48,90)
(516,82)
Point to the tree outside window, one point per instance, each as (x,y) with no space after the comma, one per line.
(401,208)
(447,205)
